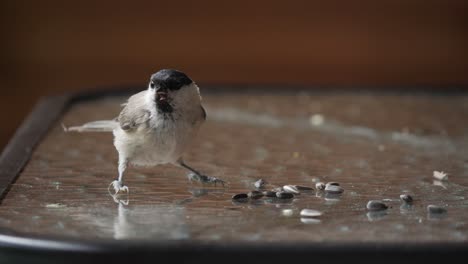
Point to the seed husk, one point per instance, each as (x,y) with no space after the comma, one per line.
(376,205)
(284,195)
(259,184)
(332,183)
(269,194)
(406,198)
(335,189)
(310,213)
(435,209)
(303,188)
(255,195)
(320,186)
(291,189)
(240,197)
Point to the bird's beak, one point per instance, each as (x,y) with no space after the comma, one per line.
(161,95)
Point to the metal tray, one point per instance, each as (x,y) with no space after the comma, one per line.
(376,143)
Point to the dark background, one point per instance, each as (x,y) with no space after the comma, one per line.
(50,47)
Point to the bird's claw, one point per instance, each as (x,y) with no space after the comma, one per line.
(120,201)
(118,188)
(205,179)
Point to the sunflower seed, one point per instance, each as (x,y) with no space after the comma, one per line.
(333,189)
(259,184)
(241,197)
(291,189)
(284,195)
(375,205)
(434,209)
(255,195)
(269,194)
(303,188)
(320,186)
(310,213)
(332,183)
(406,198)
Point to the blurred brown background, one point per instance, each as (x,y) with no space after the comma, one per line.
(50,47)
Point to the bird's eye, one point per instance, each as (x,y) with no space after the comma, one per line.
(152,84)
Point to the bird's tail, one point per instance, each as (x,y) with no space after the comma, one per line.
(95,126)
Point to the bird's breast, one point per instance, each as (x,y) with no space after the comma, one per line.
(163,142)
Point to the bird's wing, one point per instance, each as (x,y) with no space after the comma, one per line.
(134,113)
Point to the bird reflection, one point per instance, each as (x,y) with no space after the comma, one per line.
(120,199)
(121,224)
(166,220)
(376,215)
(199,192)
(149,220)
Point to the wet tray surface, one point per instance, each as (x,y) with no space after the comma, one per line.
(377,146)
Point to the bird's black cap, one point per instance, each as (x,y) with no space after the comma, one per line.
(170,79)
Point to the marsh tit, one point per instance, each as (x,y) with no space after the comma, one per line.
(156,126)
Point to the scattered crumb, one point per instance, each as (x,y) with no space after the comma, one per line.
(287,212)
(440,175)
(316,120)
(55,205)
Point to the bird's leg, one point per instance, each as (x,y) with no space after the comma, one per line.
(197,176)
(118,184)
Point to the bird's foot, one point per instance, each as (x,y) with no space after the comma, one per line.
(118,200)
(118,187)
(205,179)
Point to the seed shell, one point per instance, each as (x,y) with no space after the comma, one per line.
(376,205)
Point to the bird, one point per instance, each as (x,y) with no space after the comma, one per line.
(156,126)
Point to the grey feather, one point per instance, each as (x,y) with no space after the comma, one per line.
(134,113)
(95,126)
